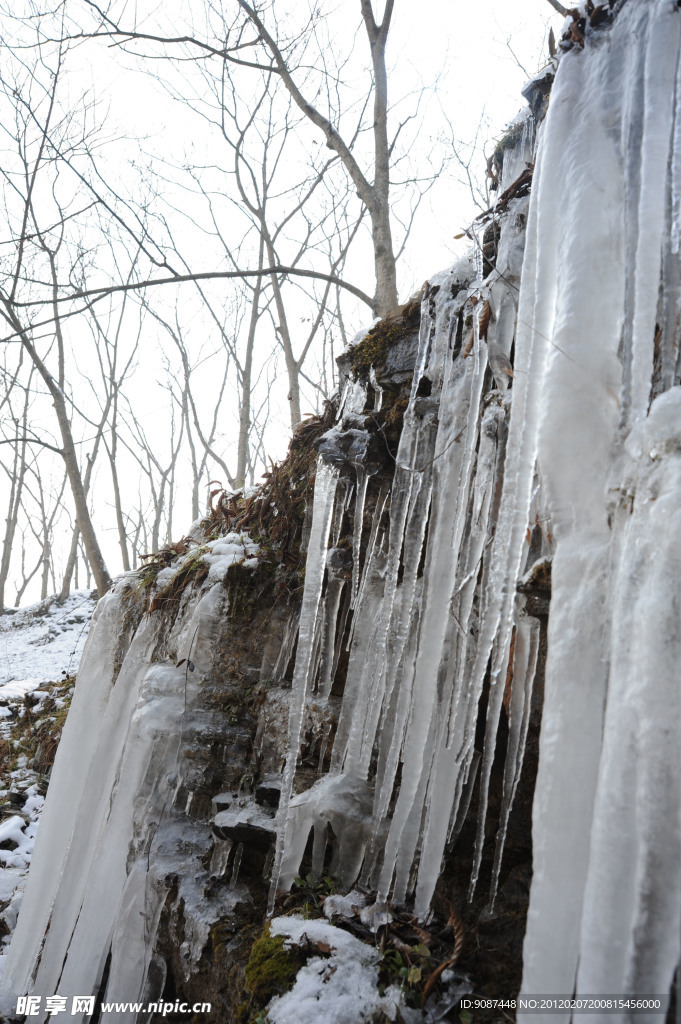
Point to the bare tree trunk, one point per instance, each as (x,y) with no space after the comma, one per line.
(285,338)
(71,565)
(120,522)
(246,379)
(379,209)
(375,197)
(17,477)
(68,452)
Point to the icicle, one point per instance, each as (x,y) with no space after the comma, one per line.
(453,744)
(340,509)
(287,646)
(524,666)
(236,865)
(358,525)
(373,537)
(323,746)
(658,114)
(453,475)
(334,592)
(378,390)
(324,495)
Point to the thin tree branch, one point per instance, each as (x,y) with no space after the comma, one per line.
(208,275)
(32,440)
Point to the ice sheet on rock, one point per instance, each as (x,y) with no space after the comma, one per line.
(637,884)
(93,875)
(339,801)
(69,777)
(606,885)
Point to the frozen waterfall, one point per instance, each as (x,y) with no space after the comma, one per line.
(576,467)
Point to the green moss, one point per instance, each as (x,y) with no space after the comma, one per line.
(252,588)
(193,569)
(509,140)
(271,968)
(374,347)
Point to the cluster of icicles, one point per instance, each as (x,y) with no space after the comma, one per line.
(590,443)
(420,642)
(585,450)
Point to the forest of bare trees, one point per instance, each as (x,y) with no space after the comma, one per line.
(170,313)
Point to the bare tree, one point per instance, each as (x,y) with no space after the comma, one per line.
(268,54)
(15,468)
(35,133)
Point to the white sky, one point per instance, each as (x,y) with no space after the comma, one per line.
(481,54)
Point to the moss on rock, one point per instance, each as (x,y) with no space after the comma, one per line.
(374,347)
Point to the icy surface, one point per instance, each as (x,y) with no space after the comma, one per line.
(111,836)
(605,906)
(39,644)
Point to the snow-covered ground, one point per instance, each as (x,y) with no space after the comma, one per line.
(37,647)
(39,650)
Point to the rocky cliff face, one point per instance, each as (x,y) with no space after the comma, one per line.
(260,678)
(325,701)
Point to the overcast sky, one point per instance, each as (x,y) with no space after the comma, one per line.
(481,53)
(471,58)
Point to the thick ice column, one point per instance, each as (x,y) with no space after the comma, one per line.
(88,727)
(324,496)
(631,941)
(609,167)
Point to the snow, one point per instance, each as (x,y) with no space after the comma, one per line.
(339,987)
(586,443)
(37,647)
(225,551)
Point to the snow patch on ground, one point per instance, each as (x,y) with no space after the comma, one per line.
(37,647)
(340,987)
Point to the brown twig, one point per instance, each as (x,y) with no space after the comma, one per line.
(459,935)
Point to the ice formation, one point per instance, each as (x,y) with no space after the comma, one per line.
(114,829)
(577,465)
(587,444)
